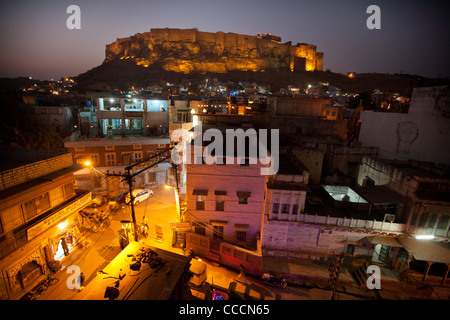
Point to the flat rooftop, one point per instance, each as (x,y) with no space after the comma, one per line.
(161,282)
(14,158)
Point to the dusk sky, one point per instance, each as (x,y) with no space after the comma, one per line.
(414,37)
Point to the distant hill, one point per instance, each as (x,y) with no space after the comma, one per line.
(121,73)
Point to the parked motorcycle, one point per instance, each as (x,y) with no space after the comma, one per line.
(275,279)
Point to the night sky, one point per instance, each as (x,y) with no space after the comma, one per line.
(414,37)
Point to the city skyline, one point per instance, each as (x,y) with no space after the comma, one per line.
(36,41)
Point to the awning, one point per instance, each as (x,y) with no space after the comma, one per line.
(198,192)
(386,241)
(354,242)
(381,195)
(243,194)
(218,223)
(427,250)
(241,227)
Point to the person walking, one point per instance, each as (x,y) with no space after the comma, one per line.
(65,246)
(81,279)
(242,274)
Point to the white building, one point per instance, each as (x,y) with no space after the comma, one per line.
(421,134)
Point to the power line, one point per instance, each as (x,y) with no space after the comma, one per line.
(140,166)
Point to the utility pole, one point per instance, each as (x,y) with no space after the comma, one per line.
(334,268)
(161,156)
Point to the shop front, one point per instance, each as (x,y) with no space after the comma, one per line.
(31,263)
(67,237)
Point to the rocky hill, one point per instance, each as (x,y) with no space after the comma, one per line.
(174,55)
(190,50)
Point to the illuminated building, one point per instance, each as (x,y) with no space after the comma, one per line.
(38,207)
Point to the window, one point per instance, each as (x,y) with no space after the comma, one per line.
(109,148)
(294,208)
(36,206)
(137,146)
(110,159)
(79,149)
(220,200)
(275,208)
(68,190)
(243,200)
(30,209)
(220,205)
(10,218)
(285,208)
(241,236)
(243,197)
(199,228)
(137,156)
(200,203)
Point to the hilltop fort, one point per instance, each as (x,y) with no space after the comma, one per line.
(190,50)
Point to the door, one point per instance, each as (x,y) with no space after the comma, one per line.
(384,252)
(218,232)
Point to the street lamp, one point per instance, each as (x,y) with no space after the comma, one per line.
(87,163)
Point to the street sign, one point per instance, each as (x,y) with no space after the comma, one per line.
(181,226)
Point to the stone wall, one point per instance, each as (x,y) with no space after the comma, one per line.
(15,176)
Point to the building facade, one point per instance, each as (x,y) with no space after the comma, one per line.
(36,213)
(418,134)
(426,185)
(224,204)
(114,154)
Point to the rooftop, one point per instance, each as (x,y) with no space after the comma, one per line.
(160,276)
(117,140)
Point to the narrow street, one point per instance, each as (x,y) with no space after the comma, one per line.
(160,210)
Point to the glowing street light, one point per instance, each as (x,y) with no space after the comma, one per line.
(425,237)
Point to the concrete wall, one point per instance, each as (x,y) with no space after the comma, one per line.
(318,236)
(313,160)
(421,134)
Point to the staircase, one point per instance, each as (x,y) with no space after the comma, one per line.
(359,275)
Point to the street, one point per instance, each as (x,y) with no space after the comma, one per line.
(160,210)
